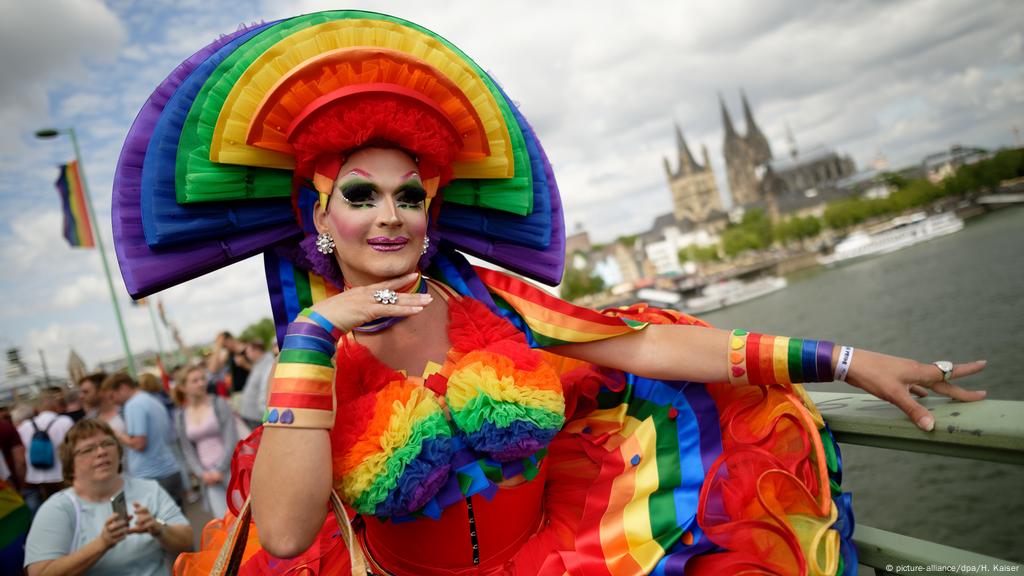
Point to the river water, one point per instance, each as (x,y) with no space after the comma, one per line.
(961,298)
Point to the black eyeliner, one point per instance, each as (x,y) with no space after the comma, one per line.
(358,191)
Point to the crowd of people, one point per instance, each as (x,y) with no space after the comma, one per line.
(96,475)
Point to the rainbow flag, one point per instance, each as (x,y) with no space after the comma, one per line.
(77,227)
(15,519)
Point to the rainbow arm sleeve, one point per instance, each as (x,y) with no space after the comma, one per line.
(765,360)
(302,391)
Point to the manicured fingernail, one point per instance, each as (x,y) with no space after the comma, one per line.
(926,423)
(983,362)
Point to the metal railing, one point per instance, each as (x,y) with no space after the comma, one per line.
(990,430)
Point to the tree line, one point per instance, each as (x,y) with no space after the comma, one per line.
(756,231)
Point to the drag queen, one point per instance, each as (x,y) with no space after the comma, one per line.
(431,417)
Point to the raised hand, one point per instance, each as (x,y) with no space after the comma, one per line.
(144,521)
(114,530)
(357,305)
(895,379)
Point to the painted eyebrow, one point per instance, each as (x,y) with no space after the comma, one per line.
(359,172)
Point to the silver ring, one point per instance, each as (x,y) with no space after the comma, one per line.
(385,296)
(947,368)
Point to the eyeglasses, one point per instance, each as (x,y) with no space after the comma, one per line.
(90,450)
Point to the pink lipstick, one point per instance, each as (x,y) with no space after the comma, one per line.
(385,244)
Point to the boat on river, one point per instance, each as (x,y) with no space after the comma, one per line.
(729,292)
(898,233)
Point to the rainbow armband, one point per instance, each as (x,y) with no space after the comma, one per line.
(302,391)
(763,360)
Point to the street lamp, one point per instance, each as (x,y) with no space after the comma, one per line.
(47,134)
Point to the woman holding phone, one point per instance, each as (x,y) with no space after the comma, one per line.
(105,522)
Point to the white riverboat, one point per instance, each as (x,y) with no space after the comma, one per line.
(899,233)
(729,292)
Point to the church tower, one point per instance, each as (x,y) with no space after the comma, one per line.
(761,152)
(694,190)
(745,155)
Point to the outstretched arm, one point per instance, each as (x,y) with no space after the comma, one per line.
(698,354)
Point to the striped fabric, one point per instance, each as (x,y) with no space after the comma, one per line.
(77,226)
(15,519)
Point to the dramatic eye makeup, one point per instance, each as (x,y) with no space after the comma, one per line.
(359,193)
(411,195)
(362,193)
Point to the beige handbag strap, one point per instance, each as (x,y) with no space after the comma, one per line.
(230,558)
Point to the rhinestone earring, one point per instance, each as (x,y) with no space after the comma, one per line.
(324,243)
(426,244)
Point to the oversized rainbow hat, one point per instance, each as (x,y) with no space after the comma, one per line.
(208,173)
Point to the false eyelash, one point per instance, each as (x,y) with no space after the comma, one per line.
(412,195)
(360,193)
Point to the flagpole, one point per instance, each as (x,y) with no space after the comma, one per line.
(156,332)
(99,242)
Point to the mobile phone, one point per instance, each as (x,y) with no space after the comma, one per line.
(120,506)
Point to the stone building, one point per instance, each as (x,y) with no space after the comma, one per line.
(617,264)
(668,235)
(746,156)
(783,186)
(694,190)
(791,184)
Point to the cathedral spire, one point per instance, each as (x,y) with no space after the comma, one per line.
(762,152)
(791,142)
(730,132)
(747,114)
(686,161)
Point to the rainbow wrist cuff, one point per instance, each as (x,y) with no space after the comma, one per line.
(302,391)
(763,360)
(323,323)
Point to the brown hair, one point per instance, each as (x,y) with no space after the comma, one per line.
(150,383)
(84,429)
(96,378)
(116,380)
(179,382)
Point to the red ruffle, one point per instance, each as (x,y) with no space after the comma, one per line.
(472,326)
(377,120)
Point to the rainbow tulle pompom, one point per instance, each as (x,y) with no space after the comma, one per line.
(395,453)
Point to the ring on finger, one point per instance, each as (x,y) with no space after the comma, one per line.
(385,296)
(946,367)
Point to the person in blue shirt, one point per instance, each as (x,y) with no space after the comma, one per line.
(148,435)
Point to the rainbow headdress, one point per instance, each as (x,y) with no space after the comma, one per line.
(216,166)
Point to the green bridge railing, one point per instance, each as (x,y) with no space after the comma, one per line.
(987,430)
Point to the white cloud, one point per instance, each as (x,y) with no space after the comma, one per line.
(84,102)
(33,238)
(228,299)
(57,339)
(44,42)
(83,289)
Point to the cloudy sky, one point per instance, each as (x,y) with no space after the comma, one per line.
(601,84)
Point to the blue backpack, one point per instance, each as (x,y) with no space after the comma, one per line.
(40,451)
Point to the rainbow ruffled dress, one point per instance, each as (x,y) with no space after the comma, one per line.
(619,474)
(623,475)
